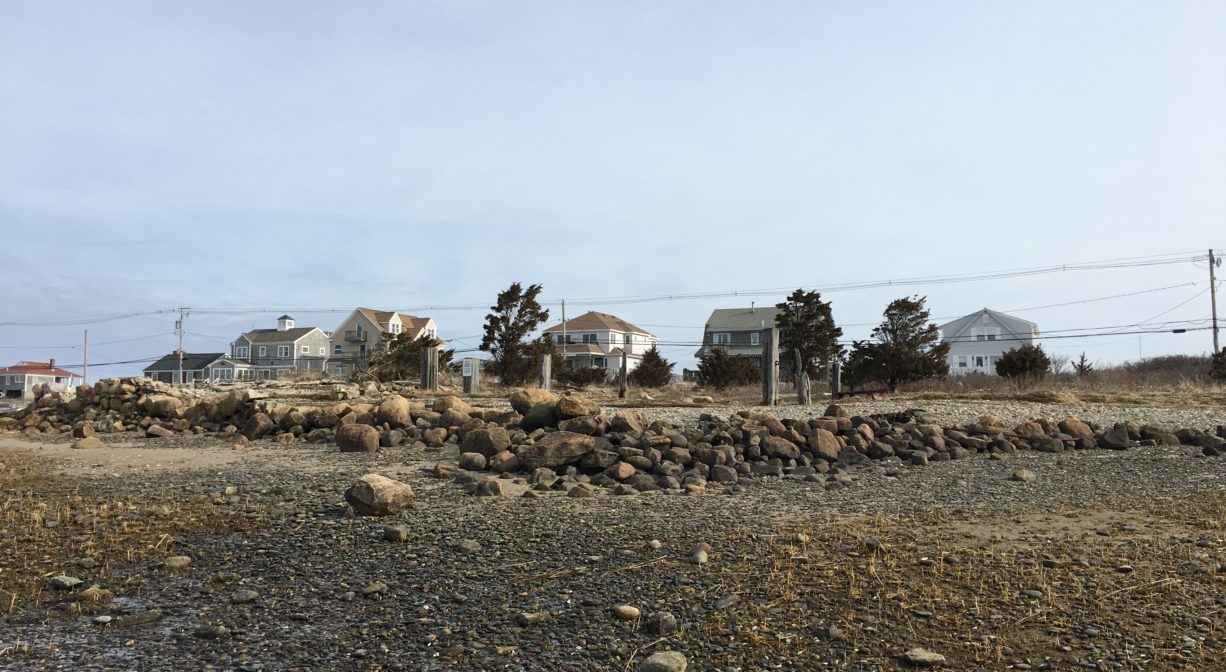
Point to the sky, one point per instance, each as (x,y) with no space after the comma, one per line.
(310,157)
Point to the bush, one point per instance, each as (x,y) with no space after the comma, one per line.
(653,371)
(1082,367)
(580,377)
(1028,362)
(720,370)
(1217,366)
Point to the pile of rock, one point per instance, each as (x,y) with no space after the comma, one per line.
(568,443)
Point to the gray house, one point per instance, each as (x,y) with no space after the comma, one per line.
(977,341)
(738,331)
(269,353)
(196,367)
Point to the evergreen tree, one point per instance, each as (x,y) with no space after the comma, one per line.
(652,371)
(515,316)
(908,347)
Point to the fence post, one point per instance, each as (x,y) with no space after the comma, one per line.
(472,375)
(836,379)
(770,366)
(622,375)
(803,396)
(546,371)
(429,368)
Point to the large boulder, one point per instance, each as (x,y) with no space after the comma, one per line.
(451,402)
(575,406)
(488,441)
(592,425)
(825,445)
(1075,428)
(163,406)
(88,442)
(525,400)
(628,421)
(394,411)
(258,425)
(537,417)
(376,495)
(556,450)
(357,438)
(775,446)
(1115,438)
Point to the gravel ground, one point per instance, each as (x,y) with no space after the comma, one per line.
(1107,561)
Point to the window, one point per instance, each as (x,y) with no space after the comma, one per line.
(430,333)
(241,352)
(600,362)
(978,362)
(987,333)
(19,380)
(322,351)
(557,339)
(962,364)
(722,338)
(754,338)
(283,351)
(337,350)
(395,327)
(589,338)
(339,368)
(306,349)
(263,350)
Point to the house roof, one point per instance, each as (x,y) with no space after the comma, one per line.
(25,367)
(593,321)
(738,350)
(741,319)
(277,335)
(1018,327)
(582,349)
(284,317)
(382,318)
(191,361)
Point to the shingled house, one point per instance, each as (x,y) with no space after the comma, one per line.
(977,341)
(197,367)
(269,353)
(597,340)
(738,331)
(366,332)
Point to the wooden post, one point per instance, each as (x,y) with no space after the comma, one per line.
(622,376)
(546,371)
(770,366)
(472,375)
(836,379)
(803,396)
(429,368)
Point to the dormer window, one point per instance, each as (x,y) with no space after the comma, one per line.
(394,327)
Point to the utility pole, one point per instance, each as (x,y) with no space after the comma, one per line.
(179,328)
(85,373)
(1213,262)
(564,341)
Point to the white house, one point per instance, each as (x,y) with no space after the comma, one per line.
(977,341)
(597,340)
(367,332)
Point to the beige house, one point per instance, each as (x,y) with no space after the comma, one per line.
(597,340)
(366,332)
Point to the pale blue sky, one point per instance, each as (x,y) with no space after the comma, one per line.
(310,155)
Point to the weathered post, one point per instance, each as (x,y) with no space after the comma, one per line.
(803,396)
(770,366)
(836,379)
(546,371)
(429,368)
(622,376)
(472,375)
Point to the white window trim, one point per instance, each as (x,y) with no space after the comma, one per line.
(263,350)
(242,352)
(338,350)
(284,351)
(306,349)
(754,338)
(721,338)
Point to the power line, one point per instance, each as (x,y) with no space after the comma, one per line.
(79,345)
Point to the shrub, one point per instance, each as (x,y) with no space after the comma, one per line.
(1217,366)
(720,370)
(1082,367)
(653,371)
(581,376)
(908,348)
(1028,362)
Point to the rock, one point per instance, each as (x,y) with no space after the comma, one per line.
(158,432)
(558,449)
(628,421)
(923,657)
(775,446)
(65,582)
(626,612)
(1075,428)
(661,623)
(469,546)
(722,474)
(177,562)
(376,495)
(825,445)
(504,462)
(244,597)
(357,439)
(664,661)
(591,425)
(836,411)
(582,490)
(575,406)
(83,430)
(1022,475)
(532,618)
(525,400)
(395,411)
(212,632)
(487,441)
(486,487)
(1116,438)
(538,417)
(451,403)
(472,461)
(86,443)
(163,406)
(399,533)
(258,426)
(620,471)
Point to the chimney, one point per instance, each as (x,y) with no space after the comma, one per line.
(751,305)
(51,364)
